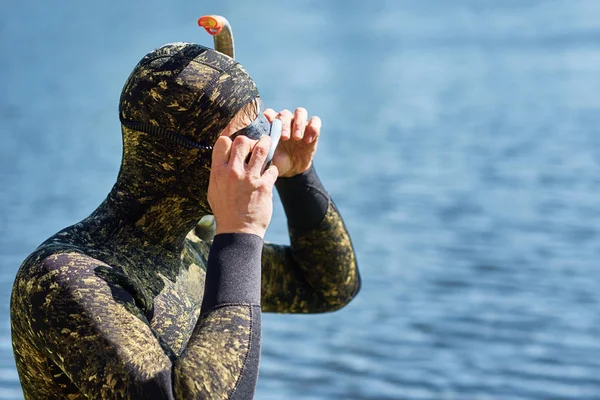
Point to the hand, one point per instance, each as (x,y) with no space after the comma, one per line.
(239,193)
(298,143)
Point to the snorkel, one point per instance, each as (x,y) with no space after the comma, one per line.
(220,29)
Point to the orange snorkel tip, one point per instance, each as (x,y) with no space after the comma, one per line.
(219,28)
(212,23)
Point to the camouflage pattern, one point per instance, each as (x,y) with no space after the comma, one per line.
(186,90)
(317,273)
(111,307)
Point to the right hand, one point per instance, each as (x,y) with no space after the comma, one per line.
(299,138)
(239,193)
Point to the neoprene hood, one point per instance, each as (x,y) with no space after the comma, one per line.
(185,89)
(173,107)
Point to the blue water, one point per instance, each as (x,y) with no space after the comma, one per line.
(461,142)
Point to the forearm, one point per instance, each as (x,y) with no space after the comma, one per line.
(91,328)
(222,356)
(304,200)
(320,244)
(325,256)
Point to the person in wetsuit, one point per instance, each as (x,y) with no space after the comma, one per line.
(136,301)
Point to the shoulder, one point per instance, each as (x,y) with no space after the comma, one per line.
(71,263)
(51,279)
(55,265)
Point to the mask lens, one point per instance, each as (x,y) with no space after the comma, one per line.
(257,128)
(261,127)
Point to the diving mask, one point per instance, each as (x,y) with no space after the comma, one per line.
(262,127)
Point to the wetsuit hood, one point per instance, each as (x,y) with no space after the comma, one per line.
(173,107)
(185,90)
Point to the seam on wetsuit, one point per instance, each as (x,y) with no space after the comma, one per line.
(237,382)
(245,386)
(223,305)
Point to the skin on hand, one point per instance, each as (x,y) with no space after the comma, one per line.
(299,139)
(240,194)
(299,136)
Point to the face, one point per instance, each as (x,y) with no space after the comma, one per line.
(244,117)
(252,123)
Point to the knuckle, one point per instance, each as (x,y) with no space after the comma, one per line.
(263,186)
(235,173)
(240,140)
(221,141)
(252,182)
(285,113)
(261,150)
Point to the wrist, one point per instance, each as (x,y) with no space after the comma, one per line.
(295,173)
(233,273)
(292,173)
(248,229)
(304,199)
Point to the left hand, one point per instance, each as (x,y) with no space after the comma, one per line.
(298,144)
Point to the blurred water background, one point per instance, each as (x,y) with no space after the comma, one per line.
(460,142)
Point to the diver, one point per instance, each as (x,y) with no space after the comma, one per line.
(137,301)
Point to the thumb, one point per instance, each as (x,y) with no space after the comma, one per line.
(221,151)
(270,175)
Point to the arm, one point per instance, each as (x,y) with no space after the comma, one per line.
(318,272)
(89,326)
(81,322)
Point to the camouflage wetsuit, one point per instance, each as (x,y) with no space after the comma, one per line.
(130,302)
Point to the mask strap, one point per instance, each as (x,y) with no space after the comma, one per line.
(174,137)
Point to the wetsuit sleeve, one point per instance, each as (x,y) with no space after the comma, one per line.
(318,271)
(89,326)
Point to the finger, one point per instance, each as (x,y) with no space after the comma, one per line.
(286,120)
(270,175)
(313,130)
(270,114)
(259,156)
(221,151)
(240,149)
(300,117)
